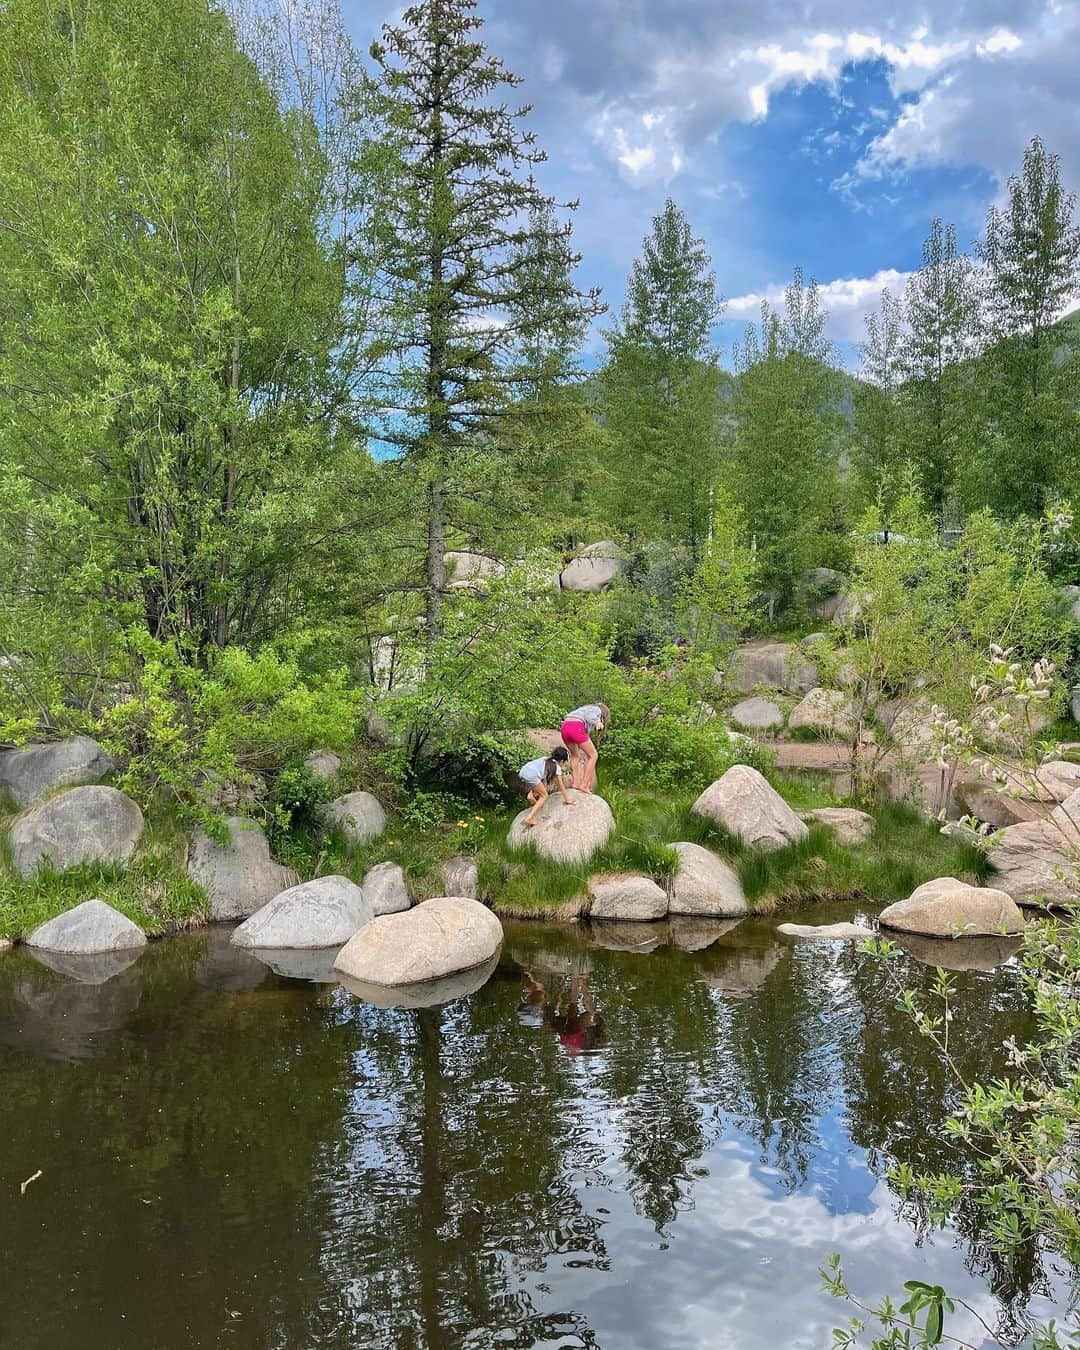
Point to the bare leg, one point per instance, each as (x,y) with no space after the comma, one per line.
(538,796)
(588,775)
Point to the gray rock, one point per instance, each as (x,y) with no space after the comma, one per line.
(81,825)
(1030,863)
(1066,820)
(771,665)
(824,590)
(1058,780)
(595,569)
(812,640)
(994,808)
(33,772)
(745,805)
(705,885)
(386,889)
(849,826)
(460,877)
(468,571)
(826,711)
(826,932)
(438,938)
(947,908)
(239,877)
(756,714)
(569,834)
(88,930)
(358,816)
(325,912)
(626,897)
(323,765)
(428,994)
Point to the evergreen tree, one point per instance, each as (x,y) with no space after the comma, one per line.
(659,387)
(1031,250)
(462,242)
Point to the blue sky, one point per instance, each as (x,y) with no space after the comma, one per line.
(826,133)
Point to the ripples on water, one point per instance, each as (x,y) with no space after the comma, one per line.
(650,1136)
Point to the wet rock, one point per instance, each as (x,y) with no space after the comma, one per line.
(947,908)
(81,825)
(756,714)
(849,826)
(460,877)
(595,569)
(429,994)
(569,834)
(325,912)
(470,571)
(323,765)
(239,876)
(829,712)
(1029,862)
(87,930)
(358,816)
(386,889)
(438,938)
(745,805)
(705,885)
(826,932)
(28,774)
(773,665)
(626,897)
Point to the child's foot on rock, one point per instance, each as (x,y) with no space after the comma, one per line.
(529,824)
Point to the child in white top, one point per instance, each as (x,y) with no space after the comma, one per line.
(539,775)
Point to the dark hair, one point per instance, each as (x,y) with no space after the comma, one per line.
(601,732)
(558,756)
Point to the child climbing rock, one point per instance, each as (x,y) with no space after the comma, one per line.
(539,775)
(580,731)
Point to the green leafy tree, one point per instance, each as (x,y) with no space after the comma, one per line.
(879,452)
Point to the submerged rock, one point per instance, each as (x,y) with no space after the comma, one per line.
(81,825)
(386,889)
(239,876)
(88,930)
(567,834)
(745,805)
(325,912)
(438,938)
(849,826)
(947,908)
(32,772)
(705,885)
(358,816)
(826,932)
(626,897)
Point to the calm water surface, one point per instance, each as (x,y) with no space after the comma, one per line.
(611,1143)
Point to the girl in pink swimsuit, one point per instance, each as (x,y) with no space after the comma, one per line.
(580,731)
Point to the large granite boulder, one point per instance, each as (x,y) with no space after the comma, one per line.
(238,876)
(745,805)
(88,930)
(624,896)
(829,712)
(823,590)
(826,932)
(1058,780)
(461,877)
(325,912)
(386,889)
(81,825)
(1030,863)
(848,825)
(771,665)
(756,714)
(358,816)
(566,834)
(705,885)
(910,723)
(468,571)
(1065,818)
(323,765)
(986,802)
(595,569)
(438,938)
(33,772)
(947,908)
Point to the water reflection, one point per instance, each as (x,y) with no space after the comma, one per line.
(596,1147)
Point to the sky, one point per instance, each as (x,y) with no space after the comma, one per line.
(825,134)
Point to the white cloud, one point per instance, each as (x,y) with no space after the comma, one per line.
(847,299)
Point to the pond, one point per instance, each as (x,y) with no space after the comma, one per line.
(644,1136)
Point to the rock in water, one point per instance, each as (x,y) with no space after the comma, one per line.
(239,877)
(626,897)
(325,912)
(460,877)
(598,567)
(949,908)
(88,930)
(358,815)
(826,711)
(849,826)
(31,773)
(705,885)
(744,804)
(567,834)
(82,825)
(438,938)
(756,714)
(826,932)
(386,889)
(1030,863)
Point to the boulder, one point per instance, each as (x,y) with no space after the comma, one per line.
(466,571)
(826,932)
(773,665)
(567,834)
(625,896)
(756,714)
(430,994)
(947,908)
(1029,862)
(33,772)
(358,816)
(81,825)
(823,589)
(910,724)
(323,765)
(993,807)
(325,912)
(812,640)
(595,569)
(227,796)
(239,876)
(1058,780)
(460,877)
(705,885)
(849,826)
(88,930)
(385,889)
(988,728)
(826,711)
(438,938)
(1066,820)
(745,805)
